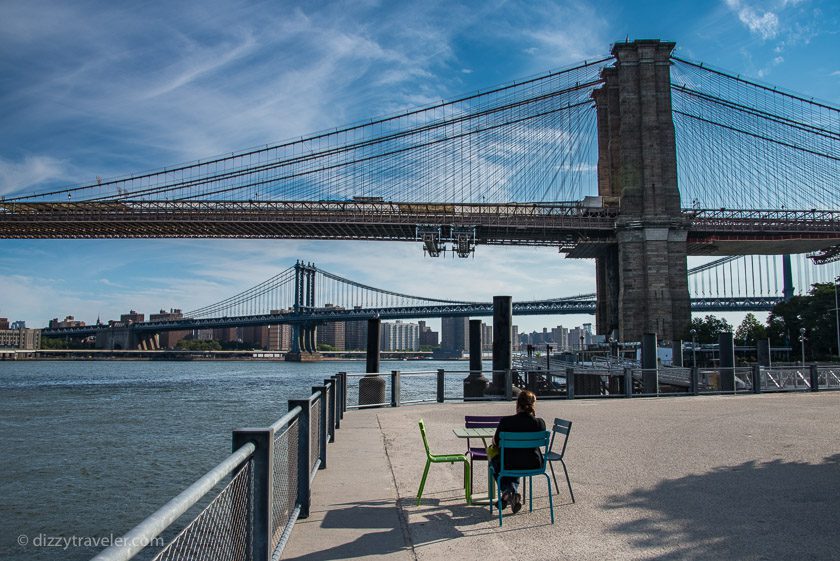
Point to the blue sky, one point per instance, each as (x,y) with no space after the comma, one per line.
(103,89)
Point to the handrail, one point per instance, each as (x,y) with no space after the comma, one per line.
(150,528)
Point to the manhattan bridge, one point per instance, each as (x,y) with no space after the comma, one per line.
(636,160)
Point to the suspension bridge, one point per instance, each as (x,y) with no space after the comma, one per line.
(637,160)
(308,295)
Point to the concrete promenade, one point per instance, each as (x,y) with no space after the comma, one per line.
(754,477)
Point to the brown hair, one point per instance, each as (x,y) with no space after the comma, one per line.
(525,402)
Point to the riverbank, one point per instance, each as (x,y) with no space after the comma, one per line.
(710,477)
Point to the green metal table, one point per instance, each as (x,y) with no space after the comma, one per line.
(483,433)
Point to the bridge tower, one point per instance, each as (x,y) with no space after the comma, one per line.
(642,281)
(304,334)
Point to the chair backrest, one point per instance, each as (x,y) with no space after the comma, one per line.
(481,421)
(423,434)
(564,427)
(538,439)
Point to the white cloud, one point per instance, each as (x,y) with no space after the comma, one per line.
(29,172)
(764,23)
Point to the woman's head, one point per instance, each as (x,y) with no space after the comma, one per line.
(526,401)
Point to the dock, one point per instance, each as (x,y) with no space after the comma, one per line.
(749,477)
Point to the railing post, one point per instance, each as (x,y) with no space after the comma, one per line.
(509,384)
(694,381)
(570,383)
(262,497)
(440,374)
(336,405)
(815,378)
(342,376)
(320,425)
(756,378)
(330,385)
(395,388)
(628,382)
(304,495)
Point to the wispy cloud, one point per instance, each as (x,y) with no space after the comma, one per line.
(30,172)
(764,23)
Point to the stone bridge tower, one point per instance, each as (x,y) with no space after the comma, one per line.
(642,281)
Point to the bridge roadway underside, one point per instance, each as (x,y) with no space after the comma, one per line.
(580,232)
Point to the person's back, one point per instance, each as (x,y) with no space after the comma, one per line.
(525,420)
(521,458)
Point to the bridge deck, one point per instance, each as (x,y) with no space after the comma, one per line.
(677,478)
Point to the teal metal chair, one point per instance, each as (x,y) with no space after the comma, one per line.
(443,459)
(563,427)
(507,440)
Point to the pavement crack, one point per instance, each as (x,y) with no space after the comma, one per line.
(401,514)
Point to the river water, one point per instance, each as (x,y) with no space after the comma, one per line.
(89,449)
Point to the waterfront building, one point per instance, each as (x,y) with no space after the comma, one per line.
(332,333)
(20,324)
(169,339)
(68,321)
(132,317)
(355,334)
(486,337)
(4,323)
(399,336)
(28,339)
(428,338)
(515,338)
(454,334)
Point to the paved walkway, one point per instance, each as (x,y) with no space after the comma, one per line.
(681,478)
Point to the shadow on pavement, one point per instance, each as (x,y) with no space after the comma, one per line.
(760,511)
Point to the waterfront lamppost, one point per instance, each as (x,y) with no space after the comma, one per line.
(694,348)
(548,357)
(612,349)
(802,343)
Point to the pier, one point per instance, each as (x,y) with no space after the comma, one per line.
(708,477)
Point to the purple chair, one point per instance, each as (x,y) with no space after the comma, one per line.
(478,422)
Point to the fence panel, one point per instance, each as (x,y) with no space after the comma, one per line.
(368,390)
(829,377)
(284,479)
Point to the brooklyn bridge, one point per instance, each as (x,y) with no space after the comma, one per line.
(636,160)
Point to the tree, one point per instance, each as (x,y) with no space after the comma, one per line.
(815,313)
(709,327)
(325,347)
(750,331)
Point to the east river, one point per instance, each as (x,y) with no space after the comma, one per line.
(89,449)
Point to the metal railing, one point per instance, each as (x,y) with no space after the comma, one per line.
(264,489)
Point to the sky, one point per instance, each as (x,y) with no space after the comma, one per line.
(102,89)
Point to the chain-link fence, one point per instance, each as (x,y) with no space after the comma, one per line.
(221,531)
(265,488)
(828,377)
(284,480)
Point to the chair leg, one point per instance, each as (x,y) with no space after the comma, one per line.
(471,470)
(468,482)
(499,489)
(550,499)
(531,494)
(569,481)
(556,487)
(423,481)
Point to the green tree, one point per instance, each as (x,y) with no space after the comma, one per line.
(325,347)
(709,327)
(750,331)
(815,313)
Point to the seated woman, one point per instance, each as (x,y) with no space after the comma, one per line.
(525,420)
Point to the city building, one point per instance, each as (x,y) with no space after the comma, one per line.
(428,338)
(22,338)
(454,334)
(4,323)
(355,335)
(332,333)
(132,317)
(68,321)
(169,339)
(18,325)
(399,336)
(487,337)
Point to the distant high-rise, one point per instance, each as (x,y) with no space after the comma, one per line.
(355,335)
(428,338)
(332,333)
(399,336)
(454,334)
(4,323)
